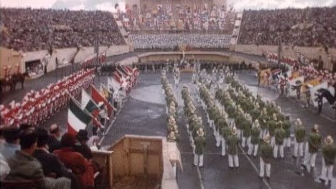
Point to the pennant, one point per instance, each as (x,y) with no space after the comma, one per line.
(77,118)
(97,97)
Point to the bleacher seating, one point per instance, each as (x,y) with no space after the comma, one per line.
(310,27)
(37,29)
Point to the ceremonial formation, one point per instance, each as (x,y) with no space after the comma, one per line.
(238,94)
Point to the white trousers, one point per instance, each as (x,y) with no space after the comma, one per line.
(287,142)
(278,148)
(310,159)
(246,141)
(198,160)
(211,122)
(327,171)
(223,146)
(253,148)
(262,168)
(263,133)
(272,141)
(239,134)
(174,169)
(233,160)
(298,149)
(217,137)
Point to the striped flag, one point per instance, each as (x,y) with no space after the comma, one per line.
(77,118)
(97,97)
(87,103)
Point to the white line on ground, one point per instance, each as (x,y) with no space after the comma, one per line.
(106,132)
(200,177)
(255,167)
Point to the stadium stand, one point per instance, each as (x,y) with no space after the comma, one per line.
(38,29)
(308,27)
(170,41)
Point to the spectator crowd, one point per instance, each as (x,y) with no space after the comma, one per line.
(37,29)
(300,27)
(192,15)
(46,159)
(170,41)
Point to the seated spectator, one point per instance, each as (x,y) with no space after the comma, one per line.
(11,145)
(55,134)
(24,166)
(75,161)
(81,144)
(51,164)
(4,166)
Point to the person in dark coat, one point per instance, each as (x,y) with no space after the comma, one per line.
(55,134)
(51,164)
(81,146)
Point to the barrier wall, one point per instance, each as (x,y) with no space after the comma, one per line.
(9,58)
(143,155)
(197,55)
(129,61)
(116,50)
(292,52)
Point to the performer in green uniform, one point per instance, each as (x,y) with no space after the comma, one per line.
(254,144)
(286,125)
(265,158)
(232,143)
(263,120)
(300,133)
(199,148)
(280,135)
(272,125)
(314,142)
(225,133)
(328,160)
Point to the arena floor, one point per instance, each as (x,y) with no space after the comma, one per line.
(144,114)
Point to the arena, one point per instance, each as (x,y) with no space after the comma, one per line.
(168,94)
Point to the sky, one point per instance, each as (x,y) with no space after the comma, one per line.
(108,5)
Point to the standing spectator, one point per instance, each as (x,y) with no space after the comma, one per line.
(55,134)
(75,161)
(11,145)
(81,146)
(24,166)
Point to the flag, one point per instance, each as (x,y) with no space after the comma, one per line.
(87,103)
(77,118)
(97,97)
(105,91)
(115,84)
(276,72)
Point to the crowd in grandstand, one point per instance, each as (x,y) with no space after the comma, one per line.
(300,27)
(186,15)
(36,29)
(170,41)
